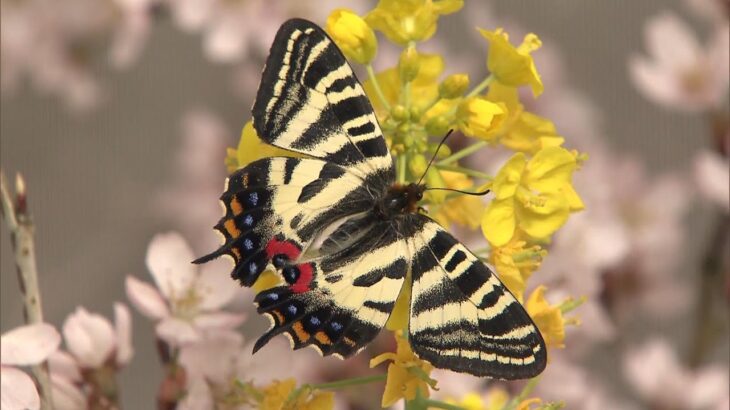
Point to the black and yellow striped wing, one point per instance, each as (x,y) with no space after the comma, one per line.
(462,317)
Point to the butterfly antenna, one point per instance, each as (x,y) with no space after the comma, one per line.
(459,191)
(434,155)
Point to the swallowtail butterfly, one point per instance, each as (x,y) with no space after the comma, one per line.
(337,299)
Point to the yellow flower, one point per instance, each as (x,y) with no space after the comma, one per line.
(276,396)
(548,318)
(515,263)
(534,195)
(407,374)
(424,87)
(312,400)
(250,148)
(470,401)
(531,133)
(512,65)
(522,131)
(352,35)
(276,393)
(409,20)
(480,118)
(464,210)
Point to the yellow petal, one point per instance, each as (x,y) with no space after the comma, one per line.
(513,66)
(399,316)
(550,169)
(498,222)
(509,176)
(267,280)
(542,216)
(394,385)
(575,203)
(481,118)
(548,318)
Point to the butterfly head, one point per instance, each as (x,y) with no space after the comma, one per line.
(401,199)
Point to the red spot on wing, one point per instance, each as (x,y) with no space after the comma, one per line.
(305,278)
(277,247)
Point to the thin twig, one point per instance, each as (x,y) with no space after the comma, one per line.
(21,237)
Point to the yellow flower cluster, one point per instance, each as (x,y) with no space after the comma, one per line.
(532,192)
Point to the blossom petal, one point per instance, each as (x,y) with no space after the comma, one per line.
(213,357)
(657,84)
(498,222)
(146,298)
(711,175)
(214,285)
(671,42)
(123,330)
(219,320)
(17,390)
(66,396)
(176,332)
(89,337)
(168,259)
(509,176)
(30,344)
(64,365)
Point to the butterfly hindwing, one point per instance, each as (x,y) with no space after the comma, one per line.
(309,101)
(350,293)
(275,207)
(462,317)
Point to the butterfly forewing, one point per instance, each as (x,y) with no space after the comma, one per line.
(310,101)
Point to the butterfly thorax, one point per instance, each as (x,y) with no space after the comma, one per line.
(399,200)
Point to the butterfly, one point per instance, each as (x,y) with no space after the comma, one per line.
(337,299)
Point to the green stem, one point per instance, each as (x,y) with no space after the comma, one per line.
(355,381)
(571,304)
(402,163)
(481,86)
(529,387)
(376,86)
(440,405)
(462,153)
(465,171)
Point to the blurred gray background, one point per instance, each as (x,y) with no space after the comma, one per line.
(92,180)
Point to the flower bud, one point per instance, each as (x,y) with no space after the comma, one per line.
(438,125)
(399,113)
(409,64)
(480,118)
(418,165)
(352,35)
(454,86)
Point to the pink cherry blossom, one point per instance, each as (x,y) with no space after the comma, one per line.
(187,302)
(92,340)
(712,178)
(24,346)
(656,374)
(680,73)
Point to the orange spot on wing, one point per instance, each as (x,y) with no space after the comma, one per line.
(279,316)
(230,226)
(245,180)
(322,338)
(236,254)
(236,206)
(302,335)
